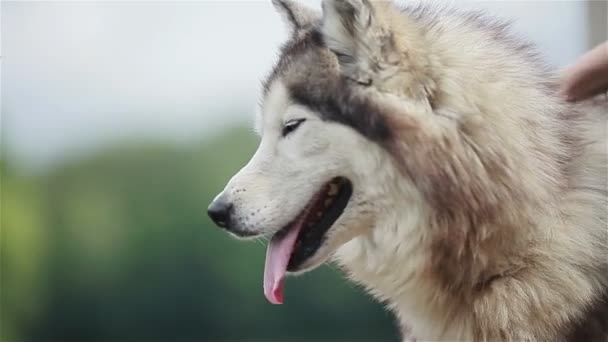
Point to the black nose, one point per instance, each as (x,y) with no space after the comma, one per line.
(219,211)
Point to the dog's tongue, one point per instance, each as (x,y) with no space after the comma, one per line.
(277,257)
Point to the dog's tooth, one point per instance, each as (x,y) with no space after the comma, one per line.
(333,189)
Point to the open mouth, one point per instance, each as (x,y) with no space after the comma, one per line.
(297,242)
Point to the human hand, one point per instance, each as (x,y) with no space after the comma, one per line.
(588,76)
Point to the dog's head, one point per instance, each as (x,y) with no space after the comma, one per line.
(353,120)
(319,175)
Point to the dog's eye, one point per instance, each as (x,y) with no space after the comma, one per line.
(291,126)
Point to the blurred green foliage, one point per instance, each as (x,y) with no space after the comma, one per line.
(117,247)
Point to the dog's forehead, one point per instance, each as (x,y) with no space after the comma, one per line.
(275,101)
(304,62)
(308,74)
(304,55)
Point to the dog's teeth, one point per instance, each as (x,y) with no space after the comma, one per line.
(333,189)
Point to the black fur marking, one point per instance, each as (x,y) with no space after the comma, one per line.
(288,53)
(322,88)
(335,102)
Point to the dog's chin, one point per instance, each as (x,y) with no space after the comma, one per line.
(244,235)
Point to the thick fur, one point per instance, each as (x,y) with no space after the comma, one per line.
(481,197)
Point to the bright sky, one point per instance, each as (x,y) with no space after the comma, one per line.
(77,75)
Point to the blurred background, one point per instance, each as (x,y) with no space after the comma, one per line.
(120,122)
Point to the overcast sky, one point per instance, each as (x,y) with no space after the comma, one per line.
(76,75)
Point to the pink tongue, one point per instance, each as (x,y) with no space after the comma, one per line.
(277,257)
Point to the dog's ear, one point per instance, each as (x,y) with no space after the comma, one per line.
(297,16)
(359,35)
(376,45)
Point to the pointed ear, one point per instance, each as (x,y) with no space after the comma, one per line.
(297,16)
(376,45)
(356,33)
(347,17)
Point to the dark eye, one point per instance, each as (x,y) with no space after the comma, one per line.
(291,126)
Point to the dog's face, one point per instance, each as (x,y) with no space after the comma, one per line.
(320,175)
(306,176)
(311,186)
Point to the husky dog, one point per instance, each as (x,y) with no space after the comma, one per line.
(426,151)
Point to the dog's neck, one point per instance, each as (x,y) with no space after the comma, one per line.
(391,262)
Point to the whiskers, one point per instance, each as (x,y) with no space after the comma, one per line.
(262,239)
